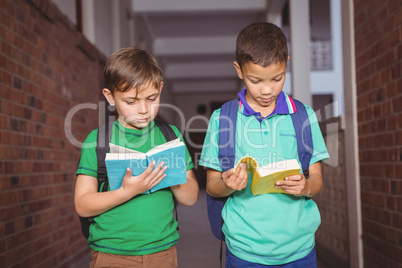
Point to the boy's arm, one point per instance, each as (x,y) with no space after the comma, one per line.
(224,184)
(187,193)
(300,186)
(89,202)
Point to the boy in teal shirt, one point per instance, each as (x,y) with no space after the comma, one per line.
(140,227)
(268,229)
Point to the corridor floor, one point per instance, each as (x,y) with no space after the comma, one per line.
(197,247)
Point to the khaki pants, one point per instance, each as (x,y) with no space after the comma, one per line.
(162,259)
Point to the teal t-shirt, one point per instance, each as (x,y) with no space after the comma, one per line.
(144,224)
(269,229)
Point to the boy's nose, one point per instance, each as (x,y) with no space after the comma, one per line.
(266,90)
(143,108)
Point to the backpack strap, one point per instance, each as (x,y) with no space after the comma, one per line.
(227,133)
(166,130)
(304,138)
(169,135)
(102,148)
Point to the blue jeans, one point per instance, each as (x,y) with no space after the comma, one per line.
(310,261)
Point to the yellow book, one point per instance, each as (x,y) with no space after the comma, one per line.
(265,177)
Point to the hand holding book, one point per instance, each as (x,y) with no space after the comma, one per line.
(295,184)
(265,177)
(151,177)
(236,180)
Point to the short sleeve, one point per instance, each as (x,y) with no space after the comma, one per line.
(88,164)
(209,155)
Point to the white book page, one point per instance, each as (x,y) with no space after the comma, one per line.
(120,149)
(122,156)
(119,152)
(167,145)
(278,166)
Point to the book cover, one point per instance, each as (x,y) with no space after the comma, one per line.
(171,153)
(265,177)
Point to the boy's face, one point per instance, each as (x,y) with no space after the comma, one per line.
(263,84)
(136,110)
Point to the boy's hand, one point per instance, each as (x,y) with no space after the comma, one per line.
(237,180)
(296,185)
(143,182)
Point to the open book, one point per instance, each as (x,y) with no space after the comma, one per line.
(171,153)
(265,177)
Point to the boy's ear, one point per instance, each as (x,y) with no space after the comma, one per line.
(160,87)
(238,69)
(108,95)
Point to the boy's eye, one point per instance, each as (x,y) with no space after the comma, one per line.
(254,81)
(152,99)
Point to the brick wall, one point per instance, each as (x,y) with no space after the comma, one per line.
(378,31)
(332,236)
(46,68)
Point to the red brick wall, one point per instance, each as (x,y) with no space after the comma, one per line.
(46,68)
(378,36)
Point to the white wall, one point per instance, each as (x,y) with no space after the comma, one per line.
(328,81)
(106,37)
(102,27)
(101,31)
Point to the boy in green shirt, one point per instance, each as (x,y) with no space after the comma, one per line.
(139,226)
(266,230)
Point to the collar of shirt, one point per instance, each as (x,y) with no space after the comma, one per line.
(284,105)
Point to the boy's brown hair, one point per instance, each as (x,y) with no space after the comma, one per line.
(129,68)
(261,43)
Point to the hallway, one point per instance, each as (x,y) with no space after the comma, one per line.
(197,247)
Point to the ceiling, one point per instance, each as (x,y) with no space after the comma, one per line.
(195,40)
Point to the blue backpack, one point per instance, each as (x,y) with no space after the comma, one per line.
(226,155)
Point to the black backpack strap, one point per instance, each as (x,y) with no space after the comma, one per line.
(169,135)
(102,148)
(166,130)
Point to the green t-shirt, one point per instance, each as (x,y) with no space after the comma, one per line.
(270,229)
(144,224)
